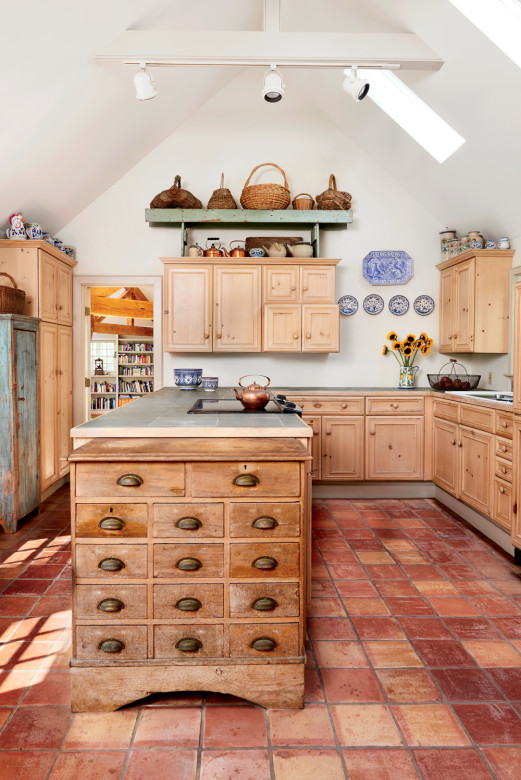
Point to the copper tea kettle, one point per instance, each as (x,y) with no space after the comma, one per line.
(215,251)
(238,251)
(254,397)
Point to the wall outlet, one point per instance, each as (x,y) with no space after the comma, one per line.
(490,377)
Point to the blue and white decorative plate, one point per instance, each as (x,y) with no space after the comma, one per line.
(399,305)
(387,267)
(373,304)
(423,305)
(348,305)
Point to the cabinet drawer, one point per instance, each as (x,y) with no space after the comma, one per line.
(126,642)
(265,520)
(477,417)
(142,479)
(332,405)
(266,479)
(394,405)
(284,637)
(264,560)
(503,503)
(173,641)
(111,561)
(188,601)
(505,424)
(188,521)
(188,560)
(503,469)
(447,410)
(111,602)
(111,520)
(504,448)
(265,600)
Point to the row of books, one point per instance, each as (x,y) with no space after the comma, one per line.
(134,360)
(138,347)
(135,387)
(135,371)
(102,404)
(102,387)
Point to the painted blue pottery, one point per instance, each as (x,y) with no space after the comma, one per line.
(210,383)
(187,378)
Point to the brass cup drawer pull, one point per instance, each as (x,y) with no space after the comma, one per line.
(130,480)
(189,645)
(246,480)
(111,605)
(188,604)
(264,644)
(111,564)
(111,524)
(188,564)
(265,562)
(265,604)
(188,523)
(111,646)
(265,522)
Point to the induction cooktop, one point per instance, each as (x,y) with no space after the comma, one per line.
(277,405)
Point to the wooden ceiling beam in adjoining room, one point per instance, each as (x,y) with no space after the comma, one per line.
(135,294)
(104,292)
(121,330)
(119,307)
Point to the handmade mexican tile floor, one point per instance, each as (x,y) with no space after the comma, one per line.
(413,665)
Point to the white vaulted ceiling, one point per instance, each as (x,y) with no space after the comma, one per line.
(72,127)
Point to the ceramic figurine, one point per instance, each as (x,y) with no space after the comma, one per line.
(17,229)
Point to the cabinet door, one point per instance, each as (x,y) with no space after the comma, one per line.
(446,456)
(447,293)
(48,403)
(320,328)
(503,503)
(48,287)
(517,349)
(318,284)
(464,274)
(26,403)
(187,321)
(476,469)
(237,321)
(343,448)
(516,483)
(281,283)
(394,448)
(64,294)
(282,325)
(64,398)
(316,448)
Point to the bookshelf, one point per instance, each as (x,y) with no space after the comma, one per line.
(128,365)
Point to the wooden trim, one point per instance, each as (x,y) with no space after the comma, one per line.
(475,253)
(15,243)
(296,261)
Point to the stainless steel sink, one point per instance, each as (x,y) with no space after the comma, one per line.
(489,395)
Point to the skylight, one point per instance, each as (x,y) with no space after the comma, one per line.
(499,20)
(412,114)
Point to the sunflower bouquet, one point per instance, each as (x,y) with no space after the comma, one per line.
(405,351)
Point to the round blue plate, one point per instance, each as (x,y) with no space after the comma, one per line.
(373,304)
(348,305)
(399,305)
(423,305)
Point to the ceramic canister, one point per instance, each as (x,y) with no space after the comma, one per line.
(503,243)
(33,231)
(476,239)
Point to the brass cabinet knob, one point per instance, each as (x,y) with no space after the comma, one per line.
(207,335)
(111,605)
(504,424)
(501,489)
(308,335)
(188,523)
(264,644)
(265,562)
(219,335)
(111,564)
(130,480)
(503,448)
(111,646)
(264,522)
(343,406)
(111,524)
(188,604)
(246,480)
(460,444)
(317,405)
(188,564)
(189,644)
(265,604)
(453,441)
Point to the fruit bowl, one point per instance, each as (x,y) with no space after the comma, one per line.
(451,379)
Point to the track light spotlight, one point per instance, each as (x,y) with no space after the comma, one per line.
(273,88)
(355,86)
(145,88)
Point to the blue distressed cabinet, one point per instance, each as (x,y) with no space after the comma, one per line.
(19,419)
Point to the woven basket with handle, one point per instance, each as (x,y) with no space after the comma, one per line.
(222,198)
(175,198)
(265,196)
(333,199)
(11,298)
(303,201)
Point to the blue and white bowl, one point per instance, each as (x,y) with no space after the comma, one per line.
(210,383)
(187,378)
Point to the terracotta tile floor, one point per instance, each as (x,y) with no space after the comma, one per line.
(413,665)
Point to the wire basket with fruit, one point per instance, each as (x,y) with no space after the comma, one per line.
(452,379)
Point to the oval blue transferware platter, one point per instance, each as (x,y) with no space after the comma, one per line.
(387,267)
(348,305)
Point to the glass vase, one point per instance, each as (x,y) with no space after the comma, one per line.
(407,374)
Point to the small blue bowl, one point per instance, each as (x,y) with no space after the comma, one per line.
(210,383)
(187,378)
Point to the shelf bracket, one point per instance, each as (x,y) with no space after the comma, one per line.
(184,239)
(315,239)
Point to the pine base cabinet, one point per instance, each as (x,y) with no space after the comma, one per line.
(394,448)
(56,401)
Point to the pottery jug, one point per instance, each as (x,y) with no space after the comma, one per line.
(301,249)
(195,251)
(275,250)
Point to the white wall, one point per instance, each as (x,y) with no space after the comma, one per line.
(234,132)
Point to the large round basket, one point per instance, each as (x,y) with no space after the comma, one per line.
(222,198)
(11,298)
(265,196)
(333,199)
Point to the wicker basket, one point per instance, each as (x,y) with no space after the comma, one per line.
(222,198)
(175,197)
(265,196)
(305,203)
(11,298)
(333,199)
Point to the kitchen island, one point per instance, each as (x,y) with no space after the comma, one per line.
(191,539)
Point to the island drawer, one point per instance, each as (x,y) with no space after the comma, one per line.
(188,641)
(503,469)
(265,560)
(447,410)
(265,600)
(282,640)
(246,479)
(331,404)
(188,521)
(111,643)
(477,417)
(111,561)
(111,602)
(505,424)
(504,448)
(265,520)
(188,601)
(188,561)
(130,480)
(394,405)
(111,520)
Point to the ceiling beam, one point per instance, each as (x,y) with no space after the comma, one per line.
(289,49)
(120,307)
(104,292)
(122,330)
